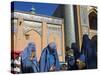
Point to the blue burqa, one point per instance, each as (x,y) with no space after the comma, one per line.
(49,58)
(87,51)
(27,65)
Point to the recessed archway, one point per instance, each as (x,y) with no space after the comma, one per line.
(93,19)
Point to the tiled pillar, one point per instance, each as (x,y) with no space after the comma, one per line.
(44,34)
(63,43)
(19,36)
(79,27)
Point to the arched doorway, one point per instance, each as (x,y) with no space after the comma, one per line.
(92,22)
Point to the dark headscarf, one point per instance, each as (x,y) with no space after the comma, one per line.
(76,50)
(76,55)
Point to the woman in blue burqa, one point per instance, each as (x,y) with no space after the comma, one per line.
(49,59)
(29,62)
(87,51)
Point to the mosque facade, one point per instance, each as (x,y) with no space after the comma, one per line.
(40,29)
(67,25)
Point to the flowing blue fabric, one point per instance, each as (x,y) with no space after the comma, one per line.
(87,50)
(48,58)
(25,59)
